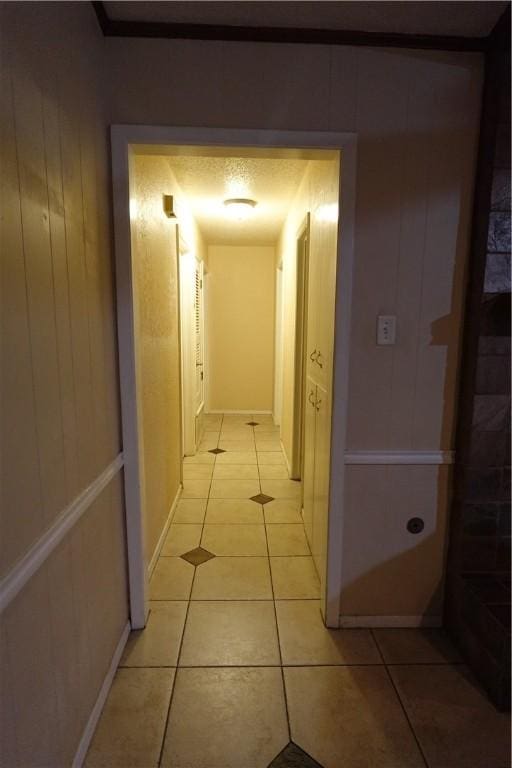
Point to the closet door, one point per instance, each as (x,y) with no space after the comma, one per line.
(198,337)
(321,486)
(308,474)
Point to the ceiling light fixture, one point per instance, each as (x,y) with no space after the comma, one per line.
(239,208)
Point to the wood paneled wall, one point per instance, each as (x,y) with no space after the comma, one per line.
(59,388)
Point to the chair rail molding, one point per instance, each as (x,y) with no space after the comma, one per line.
(25,568)
(400,457)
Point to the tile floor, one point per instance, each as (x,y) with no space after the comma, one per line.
(235,668)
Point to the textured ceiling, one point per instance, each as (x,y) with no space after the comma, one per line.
(207,181)
(470,19)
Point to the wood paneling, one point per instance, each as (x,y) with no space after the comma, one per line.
(59,388)
(59,401)
(60,633)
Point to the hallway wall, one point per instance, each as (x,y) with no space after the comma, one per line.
(59,389)
(156,292)
(157,337)
(317,195)
(240,327)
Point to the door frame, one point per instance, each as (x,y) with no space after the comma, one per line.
(123,140)
(277,405)
(300,347)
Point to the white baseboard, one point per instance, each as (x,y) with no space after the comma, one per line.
(160,542)
(242,413)
(288,466)
(100,701)
(369,622)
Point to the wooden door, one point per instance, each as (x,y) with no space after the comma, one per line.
(308,473)
(321,486)
(199,338)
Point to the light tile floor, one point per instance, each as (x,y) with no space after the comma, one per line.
(235,668)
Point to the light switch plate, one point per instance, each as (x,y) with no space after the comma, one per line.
(386,330)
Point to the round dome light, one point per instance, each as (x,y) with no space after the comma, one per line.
(240,208)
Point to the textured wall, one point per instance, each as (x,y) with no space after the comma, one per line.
(59,389)
(240,327)
(157,337)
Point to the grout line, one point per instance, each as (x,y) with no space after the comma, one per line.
(406,715)
(278,640)
(260,525)
(185,622)
(308,665)
(171,697)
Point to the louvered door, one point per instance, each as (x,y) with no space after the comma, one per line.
(199,336)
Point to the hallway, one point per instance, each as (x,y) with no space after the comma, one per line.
(236,669)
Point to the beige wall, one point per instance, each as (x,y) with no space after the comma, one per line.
(59,390)
(157,337)
(386,570)
(416,116)
(240,327)
(156,291)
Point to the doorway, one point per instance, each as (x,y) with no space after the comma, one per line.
(126,144)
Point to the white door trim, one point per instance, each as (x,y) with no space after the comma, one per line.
(340,379)
(123,137)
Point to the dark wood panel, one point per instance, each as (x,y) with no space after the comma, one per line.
(180,31)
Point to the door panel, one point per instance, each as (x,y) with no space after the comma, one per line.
(308,473)
(321,485)
(198,337)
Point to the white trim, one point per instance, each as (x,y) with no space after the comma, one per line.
(400,457)
(130,404)
(368,622)
(161,539)
(286,460)
(124,139)
(100,701)
(242,413)
(25,568)
(340,380)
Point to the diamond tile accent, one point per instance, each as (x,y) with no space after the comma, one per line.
(293,756)
(216,450)
(197,556)
(252,423)
(262,498)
